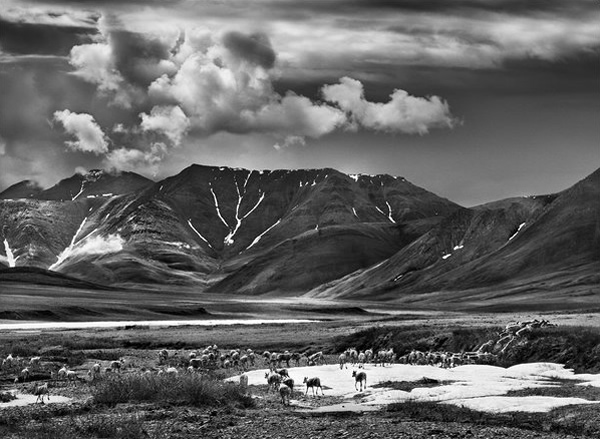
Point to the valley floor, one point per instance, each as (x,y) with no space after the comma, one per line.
(82,417)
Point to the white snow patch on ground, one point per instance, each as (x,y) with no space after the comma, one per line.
(96,245)
(24,399)
(10,257)
(458,247)
(446,256)
(354,177)
(354,212)
(517,232)
(478,387)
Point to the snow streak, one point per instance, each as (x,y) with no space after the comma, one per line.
(263,234)
(80,191)
(229,238)
(390,212)
(217,206)
(518,230)
(9,254)
(354,212)
(198,233)
(67,251)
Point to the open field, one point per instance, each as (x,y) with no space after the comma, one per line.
(202,405)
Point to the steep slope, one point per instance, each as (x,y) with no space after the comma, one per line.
(205,223)
(23,189)
(35,231)
(95,183)
(315,257)
(507,242)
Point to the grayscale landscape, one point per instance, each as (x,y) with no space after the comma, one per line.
(281,219)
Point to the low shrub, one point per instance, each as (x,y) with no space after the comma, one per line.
(184,389)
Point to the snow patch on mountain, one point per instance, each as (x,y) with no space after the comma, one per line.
(258,238)
(517,232)
(10,258)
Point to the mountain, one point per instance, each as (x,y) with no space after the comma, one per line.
(541,247)
(95,183)
(219,226)
(23,189)
(313,232)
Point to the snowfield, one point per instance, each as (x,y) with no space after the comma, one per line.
(478,387)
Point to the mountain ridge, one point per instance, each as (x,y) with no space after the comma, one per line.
(318,232)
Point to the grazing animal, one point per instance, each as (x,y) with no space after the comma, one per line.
(8,361)
(285,393)
(163,355)
(41,391)
(72,375)
(316,358)
(195,363)
(342,359)
(361,359)
(94,371)
(171,371)
(244,362)
(313,383)
(62,373)
(273,380)
(25,373)
(296,356)
(35,361)
(282,372)
(289,382)
(360,377)
(116,365)
(244,383)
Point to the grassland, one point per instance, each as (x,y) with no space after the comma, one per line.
(130,406)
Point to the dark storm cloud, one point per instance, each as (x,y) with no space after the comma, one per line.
(255,48)
(137,56)
(41,39)
(344,7)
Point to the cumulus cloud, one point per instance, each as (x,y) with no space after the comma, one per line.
(169,120)
(84,128)
(201,83)
(290,141)
(255,48)
(403,113)
(129,159)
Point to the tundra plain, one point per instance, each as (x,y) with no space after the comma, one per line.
(204,404)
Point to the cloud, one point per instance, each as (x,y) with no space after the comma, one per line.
(255,48)
(170,120)
(289,142)
(294,115)
(198,83)
(84,128)
(55,38)
(401,114)
(129,159)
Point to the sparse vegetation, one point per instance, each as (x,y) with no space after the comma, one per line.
(189,389)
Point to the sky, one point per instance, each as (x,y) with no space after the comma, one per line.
(474,100)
